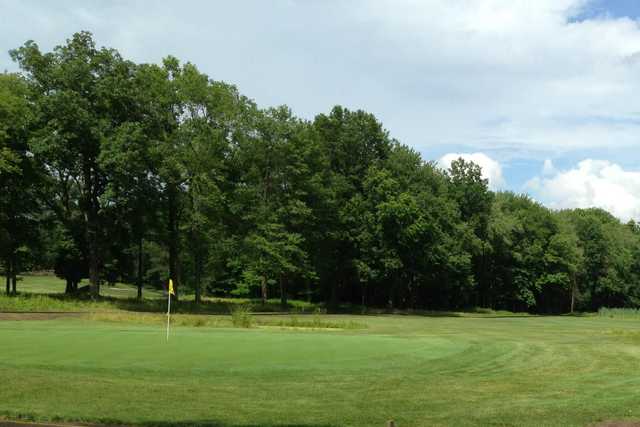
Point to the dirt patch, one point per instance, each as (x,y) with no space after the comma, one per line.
(36,316)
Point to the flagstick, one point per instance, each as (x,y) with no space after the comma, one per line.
(168,315)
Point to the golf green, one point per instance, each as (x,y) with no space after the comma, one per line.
(415,370)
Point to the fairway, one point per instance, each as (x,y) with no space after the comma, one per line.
(416,370)
(45,284)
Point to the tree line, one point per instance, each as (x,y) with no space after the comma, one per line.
(116,171)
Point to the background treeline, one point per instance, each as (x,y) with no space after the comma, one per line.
(117,171)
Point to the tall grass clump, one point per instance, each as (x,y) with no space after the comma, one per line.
(316,322)
(241,316)
(619,313)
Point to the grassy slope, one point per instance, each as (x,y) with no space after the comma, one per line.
(420,371)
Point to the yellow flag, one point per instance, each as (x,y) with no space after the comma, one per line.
(171,291)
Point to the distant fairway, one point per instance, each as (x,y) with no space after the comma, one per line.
(419,371)
(49,284)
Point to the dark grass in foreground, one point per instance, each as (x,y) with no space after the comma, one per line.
(420,371)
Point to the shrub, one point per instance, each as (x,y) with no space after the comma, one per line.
(241,316)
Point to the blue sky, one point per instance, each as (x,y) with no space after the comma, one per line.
(543,94)
(608,8)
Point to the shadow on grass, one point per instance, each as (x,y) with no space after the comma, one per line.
(83,303)
(221,424)
(29,422)
(463,313)
(13,419)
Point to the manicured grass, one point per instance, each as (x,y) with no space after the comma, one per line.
(40,284)
(50,284)
(420,371)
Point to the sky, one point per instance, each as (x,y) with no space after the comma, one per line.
(542,94)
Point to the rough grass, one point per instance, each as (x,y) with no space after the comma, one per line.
(50,303)
(238,319)
(160,320)
(421,371)
(27,302)
(314,322)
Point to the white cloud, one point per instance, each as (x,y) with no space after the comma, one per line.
(485,74)
(557,85)
(548,168)
(593,183)
(491,169)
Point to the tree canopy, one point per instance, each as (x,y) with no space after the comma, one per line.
(116,171)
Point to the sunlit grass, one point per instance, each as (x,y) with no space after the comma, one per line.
(418,370)
(49,284)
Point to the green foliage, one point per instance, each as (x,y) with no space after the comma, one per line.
(20,179)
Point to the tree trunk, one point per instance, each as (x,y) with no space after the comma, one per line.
(91,224)
(263,287)
(483,273)
(173,237)
(13,271)
(573,294)
(198,297)
(139,279)
(283,292)
(333,293)
(8,275)
(94,274)
(333,301)
(198,284)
